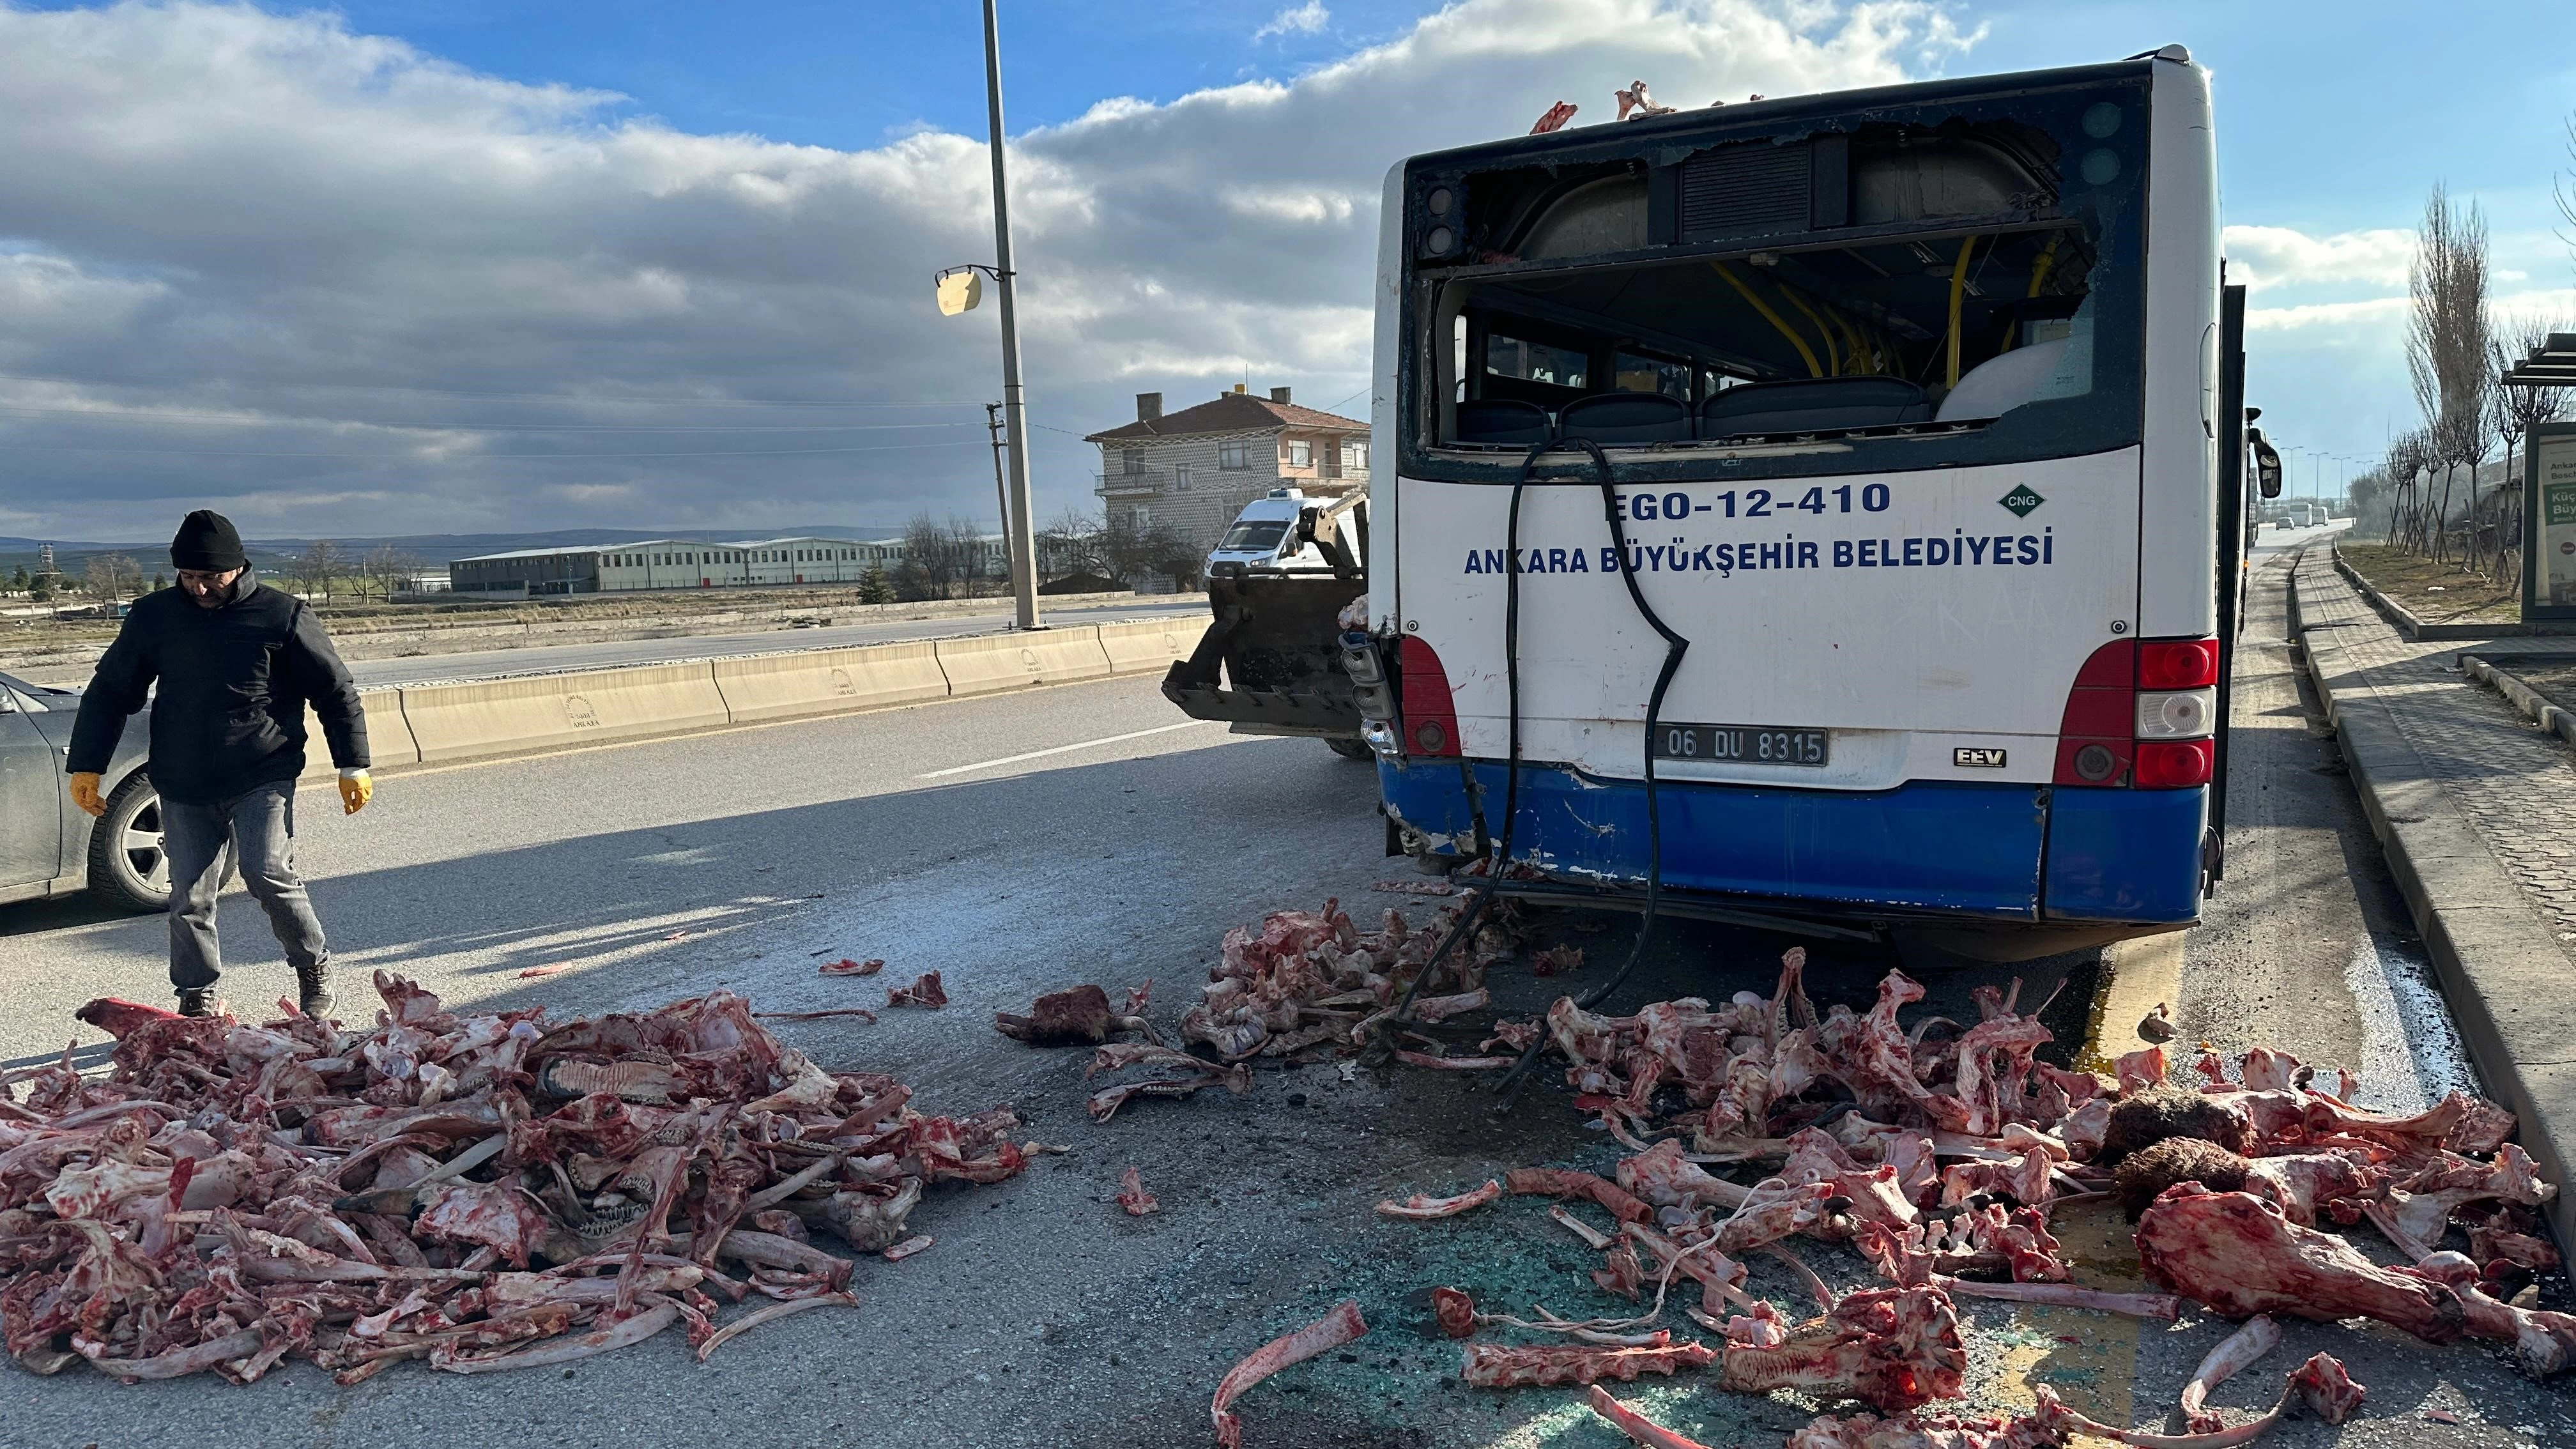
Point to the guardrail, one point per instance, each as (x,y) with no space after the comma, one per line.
(427,724)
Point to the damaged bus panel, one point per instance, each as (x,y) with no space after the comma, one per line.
(1900,410)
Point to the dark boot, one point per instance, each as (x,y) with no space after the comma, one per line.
(313,991)
(201,1001)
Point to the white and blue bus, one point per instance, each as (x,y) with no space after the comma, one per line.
(1910,410)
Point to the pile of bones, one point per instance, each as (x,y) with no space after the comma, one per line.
(1302,984)
(485,1192)
(1937,1151)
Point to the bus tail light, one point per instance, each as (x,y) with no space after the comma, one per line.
(2181,714)
(2173,764)
(2141,714)
(2178,664)
(1430,720)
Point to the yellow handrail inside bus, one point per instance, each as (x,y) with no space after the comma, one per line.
(1958,291)
(2038,275)
(1824,329)
(1855,351)
(1814,369)
(1864,349)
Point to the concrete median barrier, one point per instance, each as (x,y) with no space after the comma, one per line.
(1148,646)
(389,742)
(829,681)
(992,662)
(553,711)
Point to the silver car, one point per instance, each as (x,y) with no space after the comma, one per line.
(48,845)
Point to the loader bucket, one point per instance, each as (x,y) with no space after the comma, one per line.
(1271,663)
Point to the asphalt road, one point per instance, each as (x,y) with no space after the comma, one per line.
(680,644)
(1044,1314)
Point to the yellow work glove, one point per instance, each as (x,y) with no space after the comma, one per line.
(355,791)
(85,792)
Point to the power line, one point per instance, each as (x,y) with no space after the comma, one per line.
(583,398)
(490,457)
(228,420)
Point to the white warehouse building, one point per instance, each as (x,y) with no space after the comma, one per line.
(680,564)
(677,563)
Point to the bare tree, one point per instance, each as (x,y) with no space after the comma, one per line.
(320,567)
(2365,493)
(2514,413)
(1129,550)
(2446,342)
(966,548)
(389,569)
(929,562)
(109,577)
(2404,464)
(1070,546)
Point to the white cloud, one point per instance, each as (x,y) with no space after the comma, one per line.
(1291,205)
(377,268)
(2377,313)
(2264,257)
(1303,19)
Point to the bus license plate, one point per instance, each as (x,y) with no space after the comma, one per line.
(1741,744)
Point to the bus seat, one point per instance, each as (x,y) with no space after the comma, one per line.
(1502,422)
(2003,382)
(1813,405)
(1616,418)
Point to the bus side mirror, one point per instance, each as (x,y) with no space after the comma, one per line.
(2267,463)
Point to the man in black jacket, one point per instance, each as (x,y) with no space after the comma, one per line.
(236,662)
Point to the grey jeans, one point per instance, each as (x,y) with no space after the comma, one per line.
(203,844)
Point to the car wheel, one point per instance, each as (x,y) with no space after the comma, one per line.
(127,865)
(1350,749)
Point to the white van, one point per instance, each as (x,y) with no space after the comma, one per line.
(1265,537)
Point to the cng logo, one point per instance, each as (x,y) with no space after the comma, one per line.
(1968,757)
(2021,500)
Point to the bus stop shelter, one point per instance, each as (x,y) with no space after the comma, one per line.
(2548,488)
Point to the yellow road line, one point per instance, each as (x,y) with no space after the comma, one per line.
(2091,1359)
(2136,976)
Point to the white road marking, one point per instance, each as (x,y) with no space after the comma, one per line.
(1065,749)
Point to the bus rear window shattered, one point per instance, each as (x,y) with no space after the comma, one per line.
(1958,286)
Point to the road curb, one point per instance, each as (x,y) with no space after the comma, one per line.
(2406,623)
(2499,964)
(2521,696)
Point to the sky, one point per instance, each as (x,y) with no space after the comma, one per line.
(412,266)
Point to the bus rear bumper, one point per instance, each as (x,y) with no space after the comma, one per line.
(1965,852)
(2125,855)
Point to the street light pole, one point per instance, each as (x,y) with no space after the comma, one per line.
(1018,522)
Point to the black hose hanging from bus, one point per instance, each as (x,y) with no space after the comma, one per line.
(1675,646)
(1474,912)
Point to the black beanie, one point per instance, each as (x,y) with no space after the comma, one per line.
(207,544)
